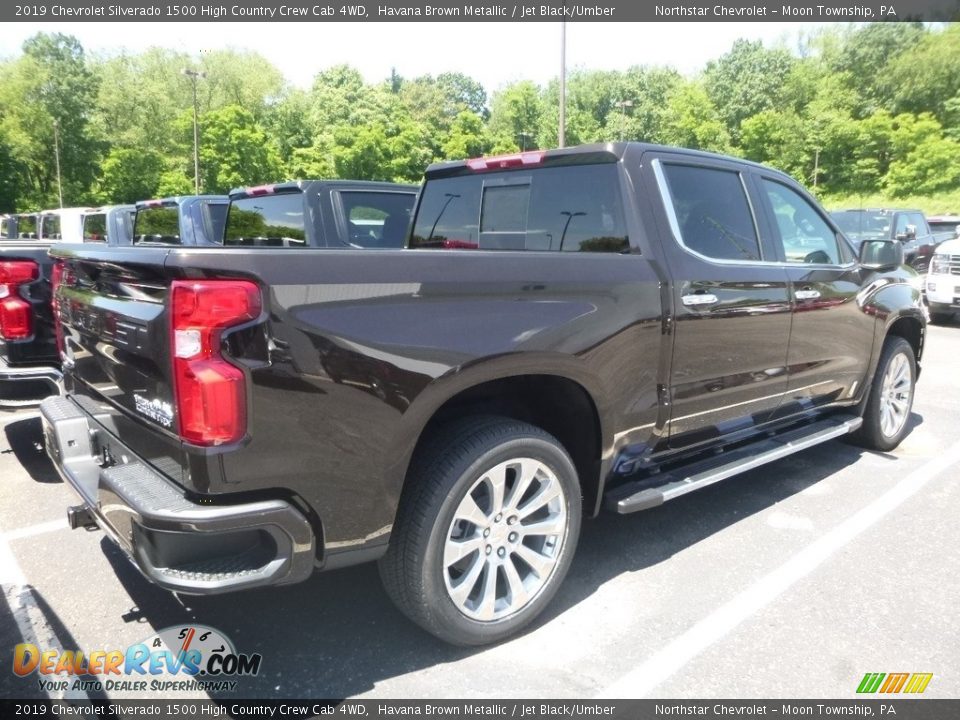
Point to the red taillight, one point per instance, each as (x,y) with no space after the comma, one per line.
(260,190)
(504,161)
(56,277)
(16,318)
(210,392)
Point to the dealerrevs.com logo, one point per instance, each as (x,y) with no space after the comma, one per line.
(183,658)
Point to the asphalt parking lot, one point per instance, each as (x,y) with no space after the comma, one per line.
(791,581)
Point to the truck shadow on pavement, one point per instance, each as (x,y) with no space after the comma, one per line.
(25,438)
(338,635)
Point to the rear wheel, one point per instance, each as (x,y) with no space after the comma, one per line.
(886,415)
(486,531)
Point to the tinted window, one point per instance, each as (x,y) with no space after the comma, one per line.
(266,221)
(901,226)
(572,208)
(919,222)
(860,225)
(215,220)
(27,226)
(805,235)
(95,227)
(6,227)
(157,225)
(712,212)
(50,226)
(377,219)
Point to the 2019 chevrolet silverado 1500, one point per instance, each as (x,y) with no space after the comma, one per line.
(609,326)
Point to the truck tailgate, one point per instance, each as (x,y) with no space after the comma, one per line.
(115,334)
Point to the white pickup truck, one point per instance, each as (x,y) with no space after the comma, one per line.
(943,281)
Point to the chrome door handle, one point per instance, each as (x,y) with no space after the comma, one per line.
(702,299)
(806,294)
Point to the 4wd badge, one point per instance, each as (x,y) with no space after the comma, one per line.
(156,410)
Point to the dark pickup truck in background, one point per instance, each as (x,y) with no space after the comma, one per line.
(908,226)
(180,220)
(603,327)
(111,224)
(322,214)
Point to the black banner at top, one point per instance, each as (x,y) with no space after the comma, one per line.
(480,11)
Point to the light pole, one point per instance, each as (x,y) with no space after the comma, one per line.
(194,75)
(562,134)
(56,155)
(623,105)
(570,216)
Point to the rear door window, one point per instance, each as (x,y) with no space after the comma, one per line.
(266,221)
(50,227)
(377,219)
(574,208)
(712,213)
(95,227)
(157,225)
(27,226)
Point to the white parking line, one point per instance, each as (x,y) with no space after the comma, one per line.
(32,530)
(31,623)
(658,668)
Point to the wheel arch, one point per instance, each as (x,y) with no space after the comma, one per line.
(556,394)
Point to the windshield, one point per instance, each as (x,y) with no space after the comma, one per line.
(860,225)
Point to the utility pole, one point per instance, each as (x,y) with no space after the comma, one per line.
(623,105)
(194,75)
(56,155)
(816,167)
(563,83)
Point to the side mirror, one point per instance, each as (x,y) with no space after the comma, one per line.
(881,254)
(909,233)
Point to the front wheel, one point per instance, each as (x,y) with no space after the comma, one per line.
(891,397)
(486,530)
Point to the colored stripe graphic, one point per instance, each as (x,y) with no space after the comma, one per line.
(894,682)
(918,683)
(870,682)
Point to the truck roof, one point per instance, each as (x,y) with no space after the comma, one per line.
(579,154)
(308,185)
(180,200)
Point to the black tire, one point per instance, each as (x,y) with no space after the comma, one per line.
(871,434)
(448,467)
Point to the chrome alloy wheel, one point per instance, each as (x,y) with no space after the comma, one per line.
(896,395)
(505,539)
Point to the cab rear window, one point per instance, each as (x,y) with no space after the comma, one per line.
(27,226)
(561,209)
(274,221)
(50,227)
(157,225)
(95,227)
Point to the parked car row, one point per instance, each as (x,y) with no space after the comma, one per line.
(352,214)
(449,379)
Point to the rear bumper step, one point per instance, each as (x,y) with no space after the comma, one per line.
(47,374)
(185,546)
(658,489)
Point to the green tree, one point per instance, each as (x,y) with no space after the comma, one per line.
(932,166)
(693,121)
(129,174)
(234,151)
(467,137)
(748,79)
(516,116)
(50,84)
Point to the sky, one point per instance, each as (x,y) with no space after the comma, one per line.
(493,53)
